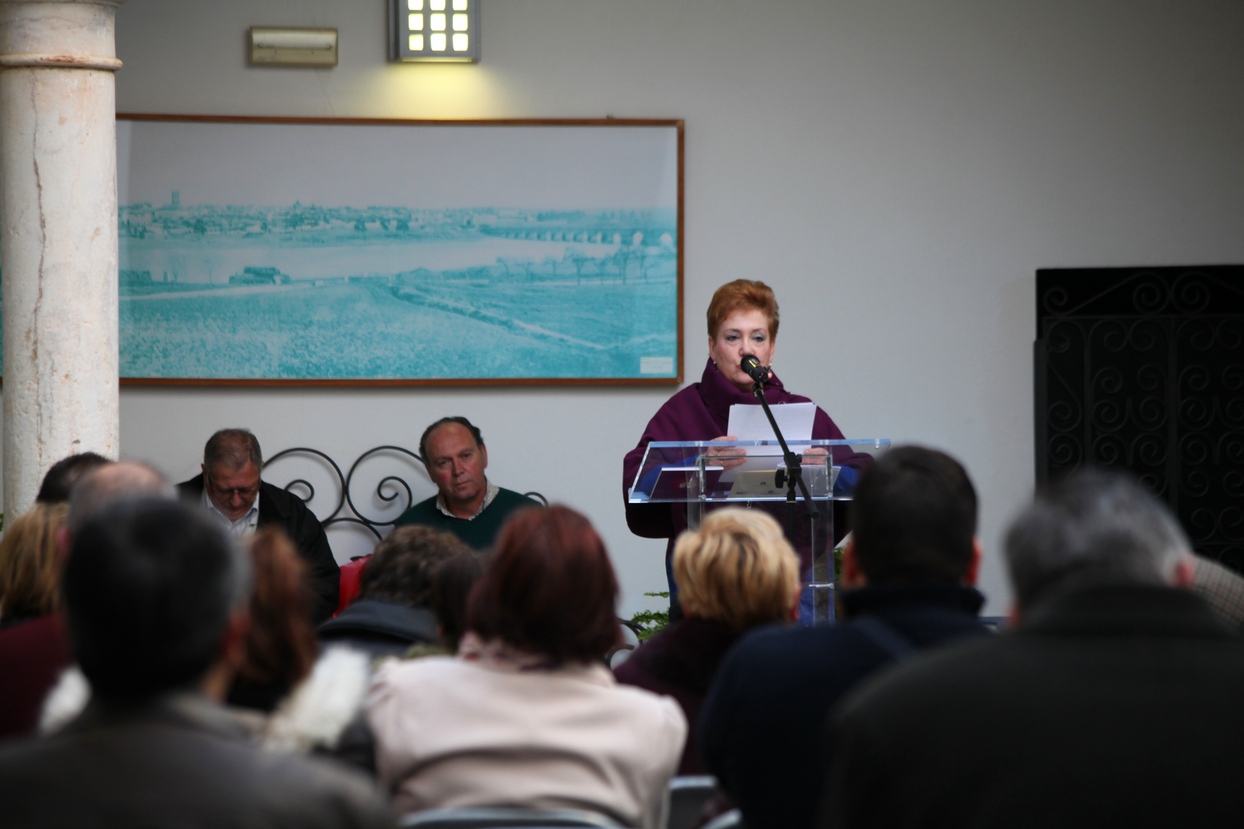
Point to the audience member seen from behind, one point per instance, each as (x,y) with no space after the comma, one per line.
(451,588)
(106,485)
(393,610)
(527,714)
(297,699)
(155,598)
(281,693)
(34,647)
(905,586)
(62,475)
(735,573)
(1115,700)
(43,644)
(280,644)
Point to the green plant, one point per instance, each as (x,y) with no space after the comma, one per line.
(651,622)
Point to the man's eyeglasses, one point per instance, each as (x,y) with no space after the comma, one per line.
(246,493)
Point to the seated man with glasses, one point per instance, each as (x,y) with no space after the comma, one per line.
(230,489)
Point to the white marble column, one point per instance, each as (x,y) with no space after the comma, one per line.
(58,236)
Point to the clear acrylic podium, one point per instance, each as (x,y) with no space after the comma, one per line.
(707,475)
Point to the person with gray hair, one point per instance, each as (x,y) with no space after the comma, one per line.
(1114,701)
(1095,528)
(1153,531)
(155,595)
(230,489)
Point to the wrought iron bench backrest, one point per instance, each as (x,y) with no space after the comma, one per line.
(393,491)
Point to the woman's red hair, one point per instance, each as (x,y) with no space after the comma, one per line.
(742,295)
(280,644)
(549,588)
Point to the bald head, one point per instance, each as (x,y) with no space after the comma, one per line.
(115,482)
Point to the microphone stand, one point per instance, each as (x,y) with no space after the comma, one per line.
(794,466)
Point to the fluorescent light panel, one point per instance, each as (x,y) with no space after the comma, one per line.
(434,30)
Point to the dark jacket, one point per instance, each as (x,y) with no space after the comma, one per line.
(761,731)
(176,761)
(1110,706)
(286,510)
(380,628)
(680,662)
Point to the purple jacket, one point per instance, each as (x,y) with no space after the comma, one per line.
(702,412)
(680,662)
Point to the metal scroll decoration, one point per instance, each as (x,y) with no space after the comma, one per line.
(1144,369)
(388,491)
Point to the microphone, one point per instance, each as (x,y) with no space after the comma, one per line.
(752,367)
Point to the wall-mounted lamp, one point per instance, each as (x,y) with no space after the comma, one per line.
(434,30)
(293,47)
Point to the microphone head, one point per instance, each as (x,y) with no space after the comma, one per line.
(752,367)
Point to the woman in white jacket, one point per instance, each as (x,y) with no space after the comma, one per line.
(527,714)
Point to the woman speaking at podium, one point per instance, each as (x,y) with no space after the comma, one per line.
(742,320)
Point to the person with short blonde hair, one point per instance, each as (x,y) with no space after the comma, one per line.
(737,568)
(736,572)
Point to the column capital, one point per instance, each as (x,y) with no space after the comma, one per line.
(58,34)
(60,61)
(61,2)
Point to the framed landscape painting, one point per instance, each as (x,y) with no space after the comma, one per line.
(330,252)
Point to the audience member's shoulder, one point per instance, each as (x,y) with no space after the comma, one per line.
(237,784)
(515,498)
(773,643)
(944,669)
(314,792)
(401,671)
(641,696)
(661,714)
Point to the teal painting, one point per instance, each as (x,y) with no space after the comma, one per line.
(399,252)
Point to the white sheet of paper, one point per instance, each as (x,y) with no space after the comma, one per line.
(750,423)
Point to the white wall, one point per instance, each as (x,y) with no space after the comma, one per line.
(897,170)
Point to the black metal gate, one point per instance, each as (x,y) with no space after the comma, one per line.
(1143,368)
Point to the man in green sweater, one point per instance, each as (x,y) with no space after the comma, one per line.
(466,504)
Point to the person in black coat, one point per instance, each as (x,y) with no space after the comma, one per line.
(905,586)
(1115,701)
(230,489)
